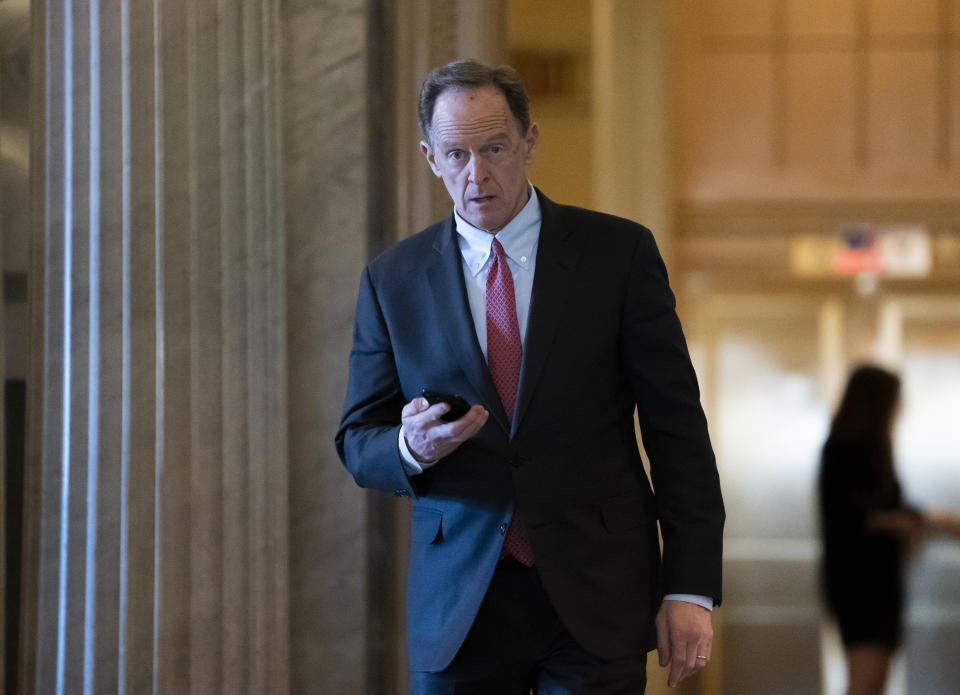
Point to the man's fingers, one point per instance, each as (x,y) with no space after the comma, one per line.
(429,437)
(676,674)
(417,405)
(470,423)
(685,660)
(679,668)
(663,642)
(450,435)
(423,412)
(684,632)
(703,651)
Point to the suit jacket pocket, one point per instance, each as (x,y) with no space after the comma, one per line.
(427,526)
(624,514)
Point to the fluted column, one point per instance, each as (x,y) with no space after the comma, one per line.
(632,174)
(325,141)
(160,430)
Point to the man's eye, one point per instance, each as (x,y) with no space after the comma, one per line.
(496,149)
(455,155)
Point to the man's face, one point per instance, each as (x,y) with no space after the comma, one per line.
(477,149)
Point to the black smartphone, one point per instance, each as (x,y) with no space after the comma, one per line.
(458,406)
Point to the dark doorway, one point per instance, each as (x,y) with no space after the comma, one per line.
(15,397)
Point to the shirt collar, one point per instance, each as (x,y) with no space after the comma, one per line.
(518,238)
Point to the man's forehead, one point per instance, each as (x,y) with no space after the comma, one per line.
(466,112)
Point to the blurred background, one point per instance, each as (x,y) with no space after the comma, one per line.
(190,190)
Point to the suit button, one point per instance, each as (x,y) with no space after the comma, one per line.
(517,461)
(503,529)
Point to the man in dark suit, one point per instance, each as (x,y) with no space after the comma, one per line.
(535,561)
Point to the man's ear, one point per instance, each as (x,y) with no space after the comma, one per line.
(430,156)
(530,140)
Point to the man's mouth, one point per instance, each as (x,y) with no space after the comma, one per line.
(482,199)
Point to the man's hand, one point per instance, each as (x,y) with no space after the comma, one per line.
(429,438)
(684,632)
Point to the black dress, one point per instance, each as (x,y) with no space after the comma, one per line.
(863,570)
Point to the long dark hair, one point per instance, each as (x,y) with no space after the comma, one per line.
(865,414)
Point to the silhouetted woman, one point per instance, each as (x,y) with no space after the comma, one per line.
(866,528)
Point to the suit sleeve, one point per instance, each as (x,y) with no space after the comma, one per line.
(674,430)
(369,428)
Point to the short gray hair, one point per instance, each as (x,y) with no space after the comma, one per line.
(469,74)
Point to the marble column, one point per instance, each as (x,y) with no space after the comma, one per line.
(632,144)
(482,30)
(159,427)
(325,138)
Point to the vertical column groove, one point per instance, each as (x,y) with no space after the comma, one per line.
(125,214)
(67,280)
(159,294)
(93,366)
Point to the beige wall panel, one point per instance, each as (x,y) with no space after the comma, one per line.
(903,17)
(818,114)
(902,111)
(734,125)
(735,17)
(561,166)
(820,111)
(821,17)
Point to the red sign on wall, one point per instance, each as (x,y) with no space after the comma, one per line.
(862,252)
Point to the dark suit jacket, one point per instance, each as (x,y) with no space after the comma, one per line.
(603,337)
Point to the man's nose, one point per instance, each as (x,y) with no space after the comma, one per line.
(477,170)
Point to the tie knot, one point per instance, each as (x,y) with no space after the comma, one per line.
(497,249)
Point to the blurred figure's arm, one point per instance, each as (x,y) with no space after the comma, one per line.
(904,521)
(908,524)
(943,522)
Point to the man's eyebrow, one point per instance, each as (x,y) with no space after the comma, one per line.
(454,143)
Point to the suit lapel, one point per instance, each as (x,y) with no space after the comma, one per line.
(557,258)
(445,276)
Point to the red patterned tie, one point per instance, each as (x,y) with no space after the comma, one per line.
(504,354)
